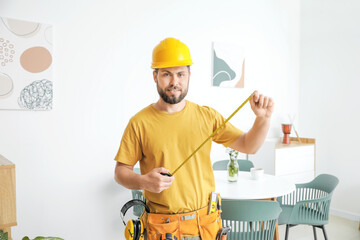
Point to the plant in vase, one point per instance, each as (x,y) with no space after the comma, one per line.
(3,235)
(233,166)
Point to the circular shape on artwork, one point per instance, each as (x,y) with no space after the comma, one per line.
(6,84)
(5,52)
(48,35)
(21,28)
(36,59)
(37,96)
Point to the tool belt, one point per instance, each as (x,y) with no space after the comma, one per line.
(196,223)
(204,222)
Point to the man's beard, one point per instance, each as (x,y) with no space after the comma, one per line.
(171,99)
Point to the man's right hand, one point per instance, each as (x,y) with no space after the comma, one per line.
(153,181)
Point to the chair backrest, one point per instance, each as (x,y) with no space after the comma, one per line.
(138,209)
(323,182)
(137,194)
(244,165)
(310,202)
(320,187)
(250,219)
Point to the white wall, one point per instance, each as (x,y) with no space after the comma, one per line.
(102,76)
(329,102)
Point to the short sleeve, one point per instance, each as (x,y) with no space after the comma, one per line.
(130,149)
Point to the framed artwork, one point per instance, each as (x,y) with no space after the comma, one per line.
(228,65)
(25,65)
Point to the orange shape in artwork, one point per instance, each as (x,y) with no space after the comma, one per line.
(36,59)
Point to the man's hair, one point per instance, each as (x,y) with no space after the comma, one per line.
(157,70)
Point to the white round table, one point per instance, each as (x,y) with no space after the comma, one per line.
(269,187)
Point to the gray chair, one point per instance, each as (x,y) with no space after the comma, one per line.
(137,170)
(309,204)
(244,165)
(250,219)
(137,194)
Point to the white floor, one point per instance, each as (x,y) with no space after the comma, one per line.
(337,229)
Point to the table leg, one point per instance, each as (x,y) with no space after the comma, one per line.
(276,235)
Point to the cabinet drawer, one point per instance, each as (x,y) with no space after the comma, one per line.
(294,160)
(299,177)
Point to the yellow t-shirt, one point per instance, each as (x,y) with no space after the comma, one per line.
(160,139)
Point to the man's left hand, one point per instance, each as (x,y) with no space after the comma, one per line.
(261,105)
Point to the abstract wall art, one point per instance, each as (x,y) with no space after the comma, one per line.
(228,65)
(25,65)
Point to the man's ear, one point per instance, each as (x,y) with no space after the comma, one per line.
(155,76)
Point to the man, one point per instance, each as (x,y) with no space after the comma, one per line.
(164,134)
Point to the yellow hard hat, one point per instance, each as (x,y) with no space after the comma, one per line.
(170,52)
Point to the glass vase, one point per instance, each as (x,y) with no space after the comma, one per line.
(233,170)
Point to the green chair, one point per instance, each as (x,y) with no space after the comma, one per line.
(244,165)
(250,219)
(137,194)
(137,170)
(309,204)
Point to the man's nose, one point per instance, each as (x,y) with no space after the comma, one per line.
(175,80)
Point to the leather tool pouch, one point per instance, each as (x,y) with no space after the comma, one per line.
(197,223)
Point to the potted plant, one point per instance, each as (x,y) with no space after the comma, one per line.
(42,238)
(5,236)
(233,166)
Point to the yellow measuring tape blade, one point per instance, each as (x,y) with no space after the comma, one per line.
(223,124)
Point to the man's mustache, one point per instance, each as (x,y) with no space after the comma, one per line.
(174,88)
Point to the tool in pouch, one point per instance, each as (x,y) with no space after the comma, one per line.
(222,234)
(213,202)
(222,125)
(168,236)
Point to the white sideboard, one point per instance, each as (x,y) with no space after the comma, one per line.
(294,162)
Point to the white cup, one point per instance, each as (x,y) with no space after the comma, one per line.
(257,173)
